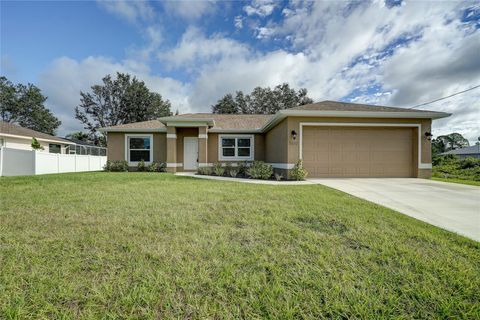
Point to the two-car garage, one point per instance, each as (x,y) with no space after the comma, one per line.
(352,151)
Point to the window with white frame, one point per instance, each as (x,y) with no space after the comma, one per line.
(236,147)
(139,147)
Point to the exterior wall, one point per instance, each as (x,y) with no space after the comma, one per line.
(116,146)
(26,144)
(279,151)
(212,147)
(277,141)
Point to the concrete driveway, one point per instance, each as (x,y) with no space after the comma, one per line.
(451,206)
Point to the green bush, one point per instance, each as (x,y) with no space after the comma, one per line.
(260,170)
(218,169)
(116,166)
(450,166)
(204,171)
(298,172)
(233,172)
(469,163)
(141,167)
(242,168)
(278,176)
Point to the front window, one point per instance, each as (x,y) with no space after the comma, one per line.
(54,148)
(139,148)
(236,148)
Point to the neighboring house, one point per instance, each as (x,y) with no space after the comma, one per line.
(81,147)
(17,137)
(334,139)
(467,152)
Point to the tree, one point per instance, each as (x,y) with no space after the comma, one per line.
(118,101)
(262,100)
(449,142)
(225,105)
(24,105)
(36,145)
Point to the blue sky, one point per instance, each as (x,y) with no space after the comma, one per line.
(192,52)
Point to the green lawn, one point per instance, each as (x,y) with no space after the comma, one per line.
(134,245)
(461,181)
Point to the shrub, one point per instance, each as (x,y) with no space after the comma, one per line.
(161,167)
(233,172)
(204,171)
(228,167)
(278,176)
(116,166)
(242,168)
(298,172)
(469,162)
(141,167)
(260,170)
(218,169)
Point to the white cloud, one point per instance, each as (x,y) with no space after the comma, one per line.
(132,11)
(190,10)
(238,22)
(195,50)
(410,54)
(262,8)
(63,80)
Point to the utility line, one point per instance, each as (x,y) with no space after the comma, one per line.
(457,93)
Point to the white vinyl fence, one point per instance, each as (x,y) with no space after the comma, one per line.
(15,162)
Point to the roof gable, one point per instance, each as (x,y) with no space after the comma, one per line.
(16,130)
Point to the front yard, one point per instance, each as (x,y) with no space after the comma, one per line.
(150,245)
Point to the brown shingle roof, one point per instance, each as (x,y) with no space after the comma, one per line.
(348,106)
(232,121)
(147,125)
(10,128)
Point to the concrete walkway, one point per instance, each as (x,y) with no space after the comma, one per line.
(451,206)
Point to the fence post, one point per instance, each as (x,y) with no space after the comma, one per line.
(34,156)
(1,161)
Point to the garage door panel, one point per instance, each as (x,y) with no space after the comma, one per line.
(358,152)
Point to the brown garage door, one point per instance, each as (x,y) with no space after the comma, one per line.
(358,152)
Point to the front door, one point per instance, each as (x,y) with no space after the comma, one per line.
(190,153)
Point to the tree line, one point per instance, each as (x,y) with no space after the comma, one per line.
(126,99)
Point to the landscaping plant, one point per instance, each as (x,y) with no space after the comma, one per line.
(116,166)
(260,170)
(298,172)
(218,169)
(141,167)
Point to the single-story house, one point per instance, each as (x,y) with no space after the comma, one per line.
(334,139)
(467,152)
(16,137)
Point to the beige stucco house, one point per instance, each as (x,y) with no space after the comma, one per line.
(334,139)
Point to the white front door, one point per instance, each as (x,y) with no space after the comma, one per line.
(190,153)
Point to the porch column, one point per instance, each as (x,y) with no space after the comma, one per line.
(171,149)
(202,146)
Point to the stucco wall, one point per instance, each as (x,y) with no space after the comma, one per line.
(277,141)
(258,149)
(26,144)
(294,124)
(116,146)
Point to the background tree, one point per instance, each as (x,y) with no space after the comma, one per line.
(262,100)
(449,142)
(24,105)
(118,101)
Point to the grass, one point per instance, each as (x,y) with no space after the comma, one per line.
(157,246)
(461,181)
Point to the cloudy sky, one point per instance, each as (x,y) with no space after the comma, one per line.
(395,53)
